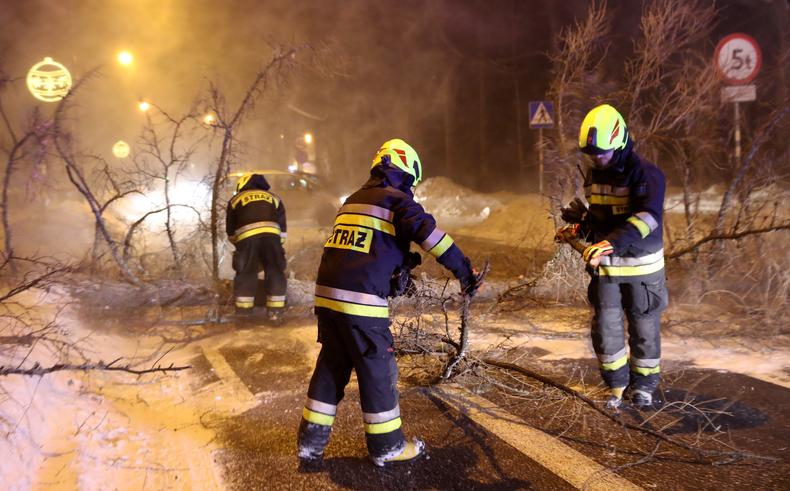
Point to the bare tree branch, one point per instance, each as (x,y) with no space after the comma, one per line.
(37,370)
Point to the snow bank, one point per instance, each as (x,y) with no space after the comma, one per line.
(709,200)
(524,221)
(502,217)
(454,205)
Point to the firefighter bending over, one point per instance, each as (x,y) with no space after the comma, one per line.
(369,243)
(624,223)
(255,223)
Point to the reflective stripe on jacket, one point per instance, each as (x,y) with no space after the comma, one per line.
(370,238)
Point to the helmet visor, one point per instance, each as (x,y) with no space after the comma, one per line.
(593,150)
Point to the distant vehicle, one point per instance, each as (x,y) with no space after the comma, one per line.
(305,195)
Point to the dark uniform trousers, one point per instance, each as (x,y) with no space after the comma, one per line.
(253,254)
(365,345)
(642,302)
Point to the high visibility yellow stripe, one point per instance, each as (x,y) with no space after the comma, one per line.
(442,246)
(644,229)
(631,270)
(317,418)
(620,362)
(241,196)
(603,199)
(352,308)
(256,231)
(645,370)
(379,428)
(609,189)
(245,305)
(275,303)
(366,221)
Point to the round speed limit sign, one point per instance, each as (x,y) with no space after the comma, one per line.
(738,58)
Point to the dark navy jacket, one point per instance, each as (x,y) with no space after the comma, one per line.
(627,208)
(255,210)
(370,239)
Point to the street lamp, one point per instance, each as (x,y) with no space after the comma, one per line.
(144,106)
(308,138)
(125,58)
(209,119)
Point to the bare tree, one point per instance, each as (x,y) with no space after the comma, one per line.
(577,65)
(228,122)
(30,139)
(167,145)
(77,171)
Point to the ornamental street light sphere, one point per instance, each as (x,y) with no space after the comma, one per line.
(121,149)
(48,80)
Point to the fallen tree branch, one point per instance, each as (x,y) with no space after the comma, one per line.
(37,369)
(701,453)
(729,236)
(463,344)
(33,283)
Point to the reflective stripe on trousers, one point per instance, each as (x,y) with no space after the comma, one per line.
(641,303)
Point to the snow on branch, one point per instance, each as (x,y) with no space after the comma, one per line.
(38,370)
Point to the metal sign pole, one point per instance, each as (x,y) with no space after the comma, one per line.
(540,160)
(738,59)
(541,115)
(737,134)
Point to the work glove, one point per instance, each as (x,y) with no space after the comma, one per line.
(412,260)
(602,248)
(566,232)
(471,283)
(575,212)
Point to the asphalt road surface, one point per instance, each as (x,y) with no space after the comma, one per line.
(475,441)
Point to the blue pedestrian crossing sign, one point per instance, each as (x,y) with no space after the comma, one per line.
(541,114)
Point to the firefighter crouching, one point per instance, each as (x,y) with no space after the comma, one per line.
(255,224)
(624,222)
(369,243)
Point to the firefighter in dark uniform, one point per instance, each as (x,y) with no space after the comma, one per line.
(624,222)
(370,241)
(255,223)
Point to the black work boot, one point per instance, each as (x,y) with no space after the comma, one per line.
(312,439)
(615,398)
(275,316)
(641,390)
(410,451)
(641,399)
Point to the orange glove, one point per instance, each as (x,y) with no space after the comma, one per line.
(566,232)
(602,248)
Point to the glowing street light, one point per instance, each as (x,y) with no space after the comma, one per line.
(125,58)
(209,119)
(121,149)
(308,138)
(144,106)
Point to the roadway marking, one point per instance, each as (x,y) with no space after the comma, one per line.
(575,468)
(235,396)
